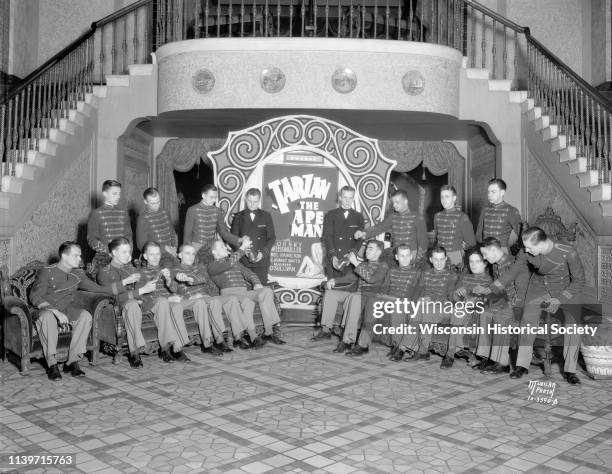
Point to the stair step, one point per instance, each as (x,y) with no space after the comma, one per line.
(476,73)
(84,108)
(140,69)
(118,80)
(578,165)
(24,171)
(500,85)
(542,122)
(527,105)
(36,158)
(589,178)
(47,146)
(11,184)
(601,192)
(67,126)
(534,114)
(5,199)
(558,143)
(76,117)
(99,91)
(606,208)
(567,154)
(550,132)
(517,97)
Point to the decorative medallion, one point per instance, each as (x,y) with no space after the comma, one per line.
(203,81)
(413,83)
(272,80)
(344,80)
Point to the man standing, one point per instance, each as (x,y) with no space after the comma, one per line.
(258,225)
(201,223)
(339,228)
(406,227)
(453,229)
(154,225)
(499,219)
(369,276)
(557,284)
(231,276)
(106,223)
(53,293)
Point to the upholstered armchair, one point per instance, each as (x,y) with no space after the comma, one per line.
(21,342)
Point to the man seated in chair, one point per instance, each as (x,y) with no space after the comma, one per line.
(402,282)
(557,283)
(468,305)
(493,348)
(438,284)
(53,293)
(121,270)
(369,276)
(195,288)
(231,277)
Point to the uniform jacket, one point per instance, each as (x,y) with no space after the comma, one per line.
(338,232)
(261,232)
(56,288)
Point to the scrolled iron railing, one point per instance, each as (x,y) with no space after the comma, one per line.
(130,35)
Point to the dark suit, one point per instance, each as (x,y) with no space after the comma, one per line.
(261,232)
(338,238)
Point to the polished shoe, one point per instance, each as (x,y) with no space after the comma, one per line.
(483,364)
(447,362)
(223,347)
(242,343)
(410,355)
(257,343)
(164,354)
(342,346)
(322,334)
(134,360)
(518,372)
(357,351)
(181,356)
(274,339)
(571,378)
(495,369)
(392,350)
(463,354)
(212,350)
(74,369)
(397,356)
(53,372)
(423,356)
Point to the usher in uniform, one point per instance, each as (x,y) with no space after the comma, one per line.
(406,228)
(453,229)
(156,226)
(259,227)
(105,224)
(339,227)
(55,287)
(201,223)
(499,220)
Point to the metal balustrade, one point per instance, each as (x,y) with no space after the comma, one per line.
(130,35)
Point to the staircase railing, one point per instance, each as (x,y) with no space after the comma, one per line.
(128,36)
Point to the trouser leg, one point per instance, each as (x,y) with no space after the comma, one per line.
(265,298)
(164,322)
(365,337)
(215,312)
(484,338)
(81,325)
(351,317)
(531,317)
(201,314)
(233,311)
(132,320)
(180,335)
(331,298)
(571,342)
(248,307)
(500,342)
(46,326)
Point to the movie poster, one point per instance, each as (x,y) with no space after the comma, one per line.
(298,196)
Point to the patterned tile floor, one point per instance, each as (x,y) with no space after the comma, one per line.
(301,408)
